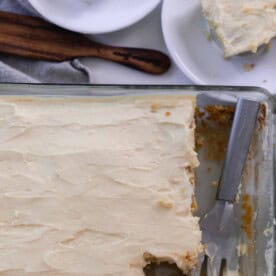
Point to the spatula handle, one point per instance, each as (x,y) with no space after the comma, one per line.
(150,61)
(32,37)
(238,147)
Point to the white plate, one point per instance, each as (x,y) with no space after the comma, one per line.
(202,60)
(94,16)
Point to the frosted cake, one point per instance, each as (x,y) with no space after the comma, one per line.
(241,26)
(97,186)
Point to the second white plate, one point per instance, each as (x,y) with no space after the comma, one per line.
(184,28)
(94,16)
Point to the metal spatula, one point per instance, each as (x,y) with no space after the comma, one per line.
(219,225)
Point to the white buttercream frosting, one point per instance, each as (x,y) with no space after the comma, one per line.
(88,186)
(243,25)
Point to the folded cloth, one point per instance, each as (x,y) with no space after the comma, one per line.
(15,69)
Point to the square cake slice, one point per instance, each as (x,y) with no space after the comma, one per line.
(97,186)
(243,25)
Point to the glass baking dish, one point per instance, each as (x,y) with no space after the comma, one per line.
(256,253)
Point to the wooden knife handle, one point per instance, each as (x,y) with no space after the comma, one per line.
(150,61)
(32,37)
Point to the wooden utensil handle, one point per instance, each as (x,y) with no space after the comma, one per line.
(150,61)
(35,38)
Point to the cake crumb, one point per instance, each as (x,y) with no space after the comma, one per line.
(247,67)
(247,216)
(220,114)
(199,113)
(149,258)
(242,249)
(168,113)
(167,204)
(262,117)
(215,183)
(194,204)
(199,141)
(155,106)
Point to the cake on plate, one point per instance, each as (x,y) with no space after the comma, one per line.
(241,26)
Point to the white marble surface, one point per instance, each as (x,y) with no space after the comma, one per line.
(146,33)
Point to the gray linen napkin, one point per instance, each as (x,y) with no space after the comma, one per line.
(15,69)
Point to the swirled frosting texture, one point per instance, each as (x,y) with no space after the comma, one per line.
(89,187)
(241,25)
